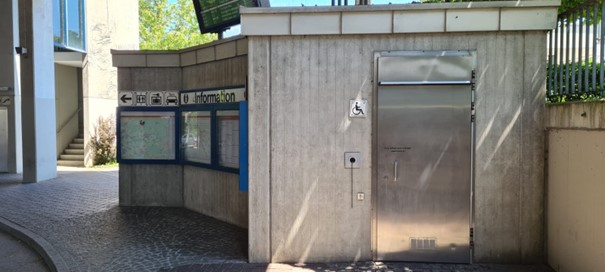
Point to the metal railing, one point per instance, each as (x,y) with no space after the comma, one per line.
(575,53)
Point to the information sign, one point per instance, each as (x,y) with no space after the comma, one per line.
(228,138)
(213,96)
(5,100)
(148,98)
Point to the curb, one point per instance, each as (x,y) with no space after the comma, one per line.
(49,254)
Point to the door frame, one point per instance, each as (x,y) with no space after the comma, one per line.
(374,210)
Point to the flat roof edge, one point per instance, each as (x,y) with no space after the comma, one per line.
(397,19)
(403,7)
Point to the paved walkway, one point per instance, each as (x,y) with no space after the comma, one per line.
(17,256)
(78,217)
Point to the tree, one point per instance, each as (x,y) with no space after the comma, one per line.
(169,25)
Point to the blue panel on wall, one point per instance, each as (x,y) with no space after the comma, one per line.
(243,146)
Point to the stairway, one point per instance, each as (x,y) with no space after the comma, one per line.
(73,155)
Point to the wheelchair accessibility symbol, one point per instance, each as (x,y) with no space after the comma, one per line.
(358,108)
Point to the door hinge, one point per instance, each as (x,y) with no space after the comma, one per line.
(471,238)
(472,118)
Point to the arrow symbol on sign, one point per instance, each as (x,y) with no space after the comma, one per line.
(124,98)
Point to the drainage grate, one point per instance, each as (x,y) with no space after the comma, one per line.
(423,243)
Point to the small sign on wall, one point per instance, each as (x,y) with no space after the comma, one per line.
(149,98)
(5,100)
(358,108)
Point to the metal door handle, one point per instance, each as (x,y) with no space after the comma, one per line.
(395,166)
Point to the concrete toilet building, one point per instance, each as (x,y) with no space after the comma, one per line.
(396,132)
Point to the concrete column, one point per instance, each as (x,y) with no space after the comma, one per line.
(38,90)
(10,154)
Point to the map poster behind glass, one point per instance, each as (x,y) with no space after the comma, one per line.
(196,136)
(147,135)
(228,138)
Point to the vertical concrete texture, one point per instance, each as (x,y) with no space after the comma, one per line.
(216,194)
(66,104)
(300,87)
(150,184)
(38,91)
(259,150)
(110,24)
(219,73)
(9,77)
(575,202)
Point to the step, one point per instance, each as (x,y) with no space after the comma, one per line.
(78,151)
(70,163)
(70,157)
(76,146)
(77,141)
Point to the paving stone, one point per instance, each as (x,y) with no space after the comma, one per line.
(78,214)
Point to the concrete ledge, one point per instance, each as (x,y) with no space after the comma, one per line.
(217,50)
(580,115)
(407,18)
(51,256)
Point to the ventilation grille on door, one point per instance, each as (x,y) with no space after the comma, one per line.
(423,243)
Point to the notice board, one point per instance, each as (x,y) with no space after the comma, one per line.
(147,135)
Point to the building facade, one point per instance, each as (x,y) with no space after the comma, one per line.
(59,80)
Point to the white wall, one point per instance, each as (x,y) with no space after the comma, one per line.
(114,28)
(66,103)
(576,186)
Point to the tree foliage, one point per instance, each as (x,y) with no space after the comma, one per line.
(169,25)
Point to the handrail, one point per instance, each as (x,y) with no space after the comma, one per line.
(68,120)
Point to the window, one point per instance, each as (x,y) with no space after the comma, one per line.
(196,136)
(69,24)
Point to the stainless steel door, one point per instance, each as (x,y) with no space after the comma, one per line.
(423,158)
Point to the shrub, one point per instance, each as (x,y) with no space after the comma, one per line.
(103,141)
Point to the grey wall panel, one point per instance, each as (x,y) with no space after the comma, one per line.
(312,79)
(4,148)
(221,73)
(216,194)
(151,185)
(498,149)
(533,146)
(259,153)
(155,79)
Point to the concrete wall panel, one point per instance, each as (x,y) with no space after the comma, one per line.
(312,79)
(259,153)
(151,185)
(221,73)
(216,194)
(66,104)
(576,185)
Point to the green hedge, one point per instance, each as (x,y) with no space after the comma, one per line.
(561,95)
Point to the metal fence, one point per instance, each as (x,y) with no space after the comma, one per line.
(575,53)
